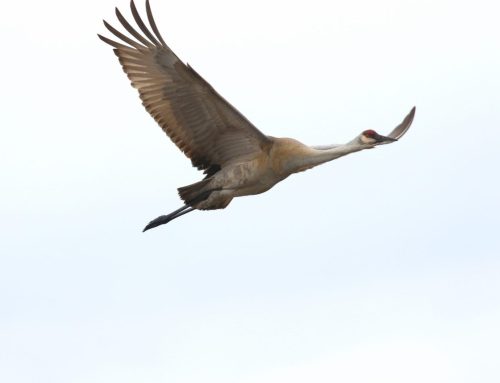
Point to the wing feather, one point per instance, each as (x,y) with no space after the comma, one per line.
(210,131)
(400,130)
(131,30)
(152,23)
(141,24)
(122,37)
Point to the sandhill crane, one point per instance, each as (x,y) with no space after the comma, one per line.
(235,156)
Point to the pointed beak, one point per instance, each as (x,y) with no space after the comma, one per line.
(384,140)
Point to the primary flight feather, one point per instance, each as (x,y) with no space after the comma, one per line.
(237,158)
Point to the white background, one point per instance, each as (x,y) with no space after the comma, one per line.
(382,266)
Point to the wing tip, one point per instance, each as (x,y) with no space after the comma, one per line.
(411,115)
(400,130)
(105,39)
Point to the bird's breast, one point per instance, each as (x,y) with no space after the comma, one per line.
(259,174)
(251,177)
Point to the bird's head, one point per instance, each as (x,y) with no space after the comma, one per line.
(372,138)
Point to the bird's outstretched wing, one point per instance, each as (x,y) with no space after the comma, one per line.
(197,119)
(400,130)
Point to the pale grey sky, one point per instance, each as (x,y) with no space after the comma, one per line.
(382,266)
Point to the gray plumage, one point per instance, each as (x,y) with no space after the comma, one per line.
(236,157)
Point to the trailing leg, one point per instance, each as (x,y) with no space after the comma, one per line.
(163,219)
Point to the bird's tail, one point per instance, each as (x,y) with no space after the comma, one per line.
(191,194)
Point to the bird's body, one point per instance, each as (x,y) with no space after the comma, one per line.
(282,157)
(254,175)
(236,157)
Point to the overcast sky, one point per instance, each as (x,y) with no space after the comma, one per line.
(382,266)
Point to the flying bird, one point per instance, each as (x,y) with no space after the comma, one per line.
(236,157)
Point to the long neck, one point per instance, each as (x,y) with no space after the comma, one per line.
(315,156)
